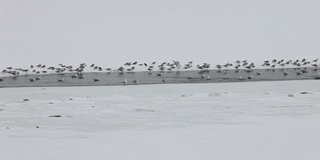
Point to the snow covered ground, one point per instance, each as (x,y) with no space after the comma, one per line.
(276,120)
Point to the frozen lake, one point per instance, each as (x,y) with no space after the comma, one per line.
(247,120)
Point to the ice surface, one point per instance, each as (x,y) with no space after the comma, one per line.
(157,77)
(248,120)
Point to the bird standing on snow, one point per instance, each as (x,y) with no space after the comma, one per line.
(125,81)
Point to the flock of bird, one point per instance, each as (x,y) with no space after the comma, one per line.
(130,67)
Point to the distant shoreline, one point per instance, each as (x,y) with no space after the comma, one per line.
(158,77)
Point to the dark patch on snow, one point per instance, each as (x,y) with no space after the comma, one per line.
(304,92)
(56,116)
(143,110)
(26,99)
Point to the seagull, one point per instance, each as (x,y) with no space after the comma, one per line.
(299,73)
(125,81)
(96,79)
(219,66)
(74,76)
(80,76)
(159,74)
(316,60)
(135,81)
(32,79)
(121,69)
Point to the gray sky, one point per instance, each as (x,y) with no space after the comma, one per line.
(110,33)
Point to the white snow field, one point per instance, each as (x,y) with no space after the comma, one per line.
(276,120)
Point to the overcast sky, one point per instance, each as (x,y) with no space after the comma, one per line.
(110,33)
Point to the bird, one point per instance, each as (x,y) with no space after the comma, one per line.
(299,73)
(159,74)
(121,69)
(316,60)
(219,66)
(74,76)
(125,81)
(135,81)
(80,76)
(96,79)
(32,80)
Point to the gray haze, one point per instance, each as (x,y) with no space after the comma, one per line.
(110,33)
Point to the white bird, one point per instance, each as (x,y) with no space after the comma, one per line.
(125,81)
(316,60)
